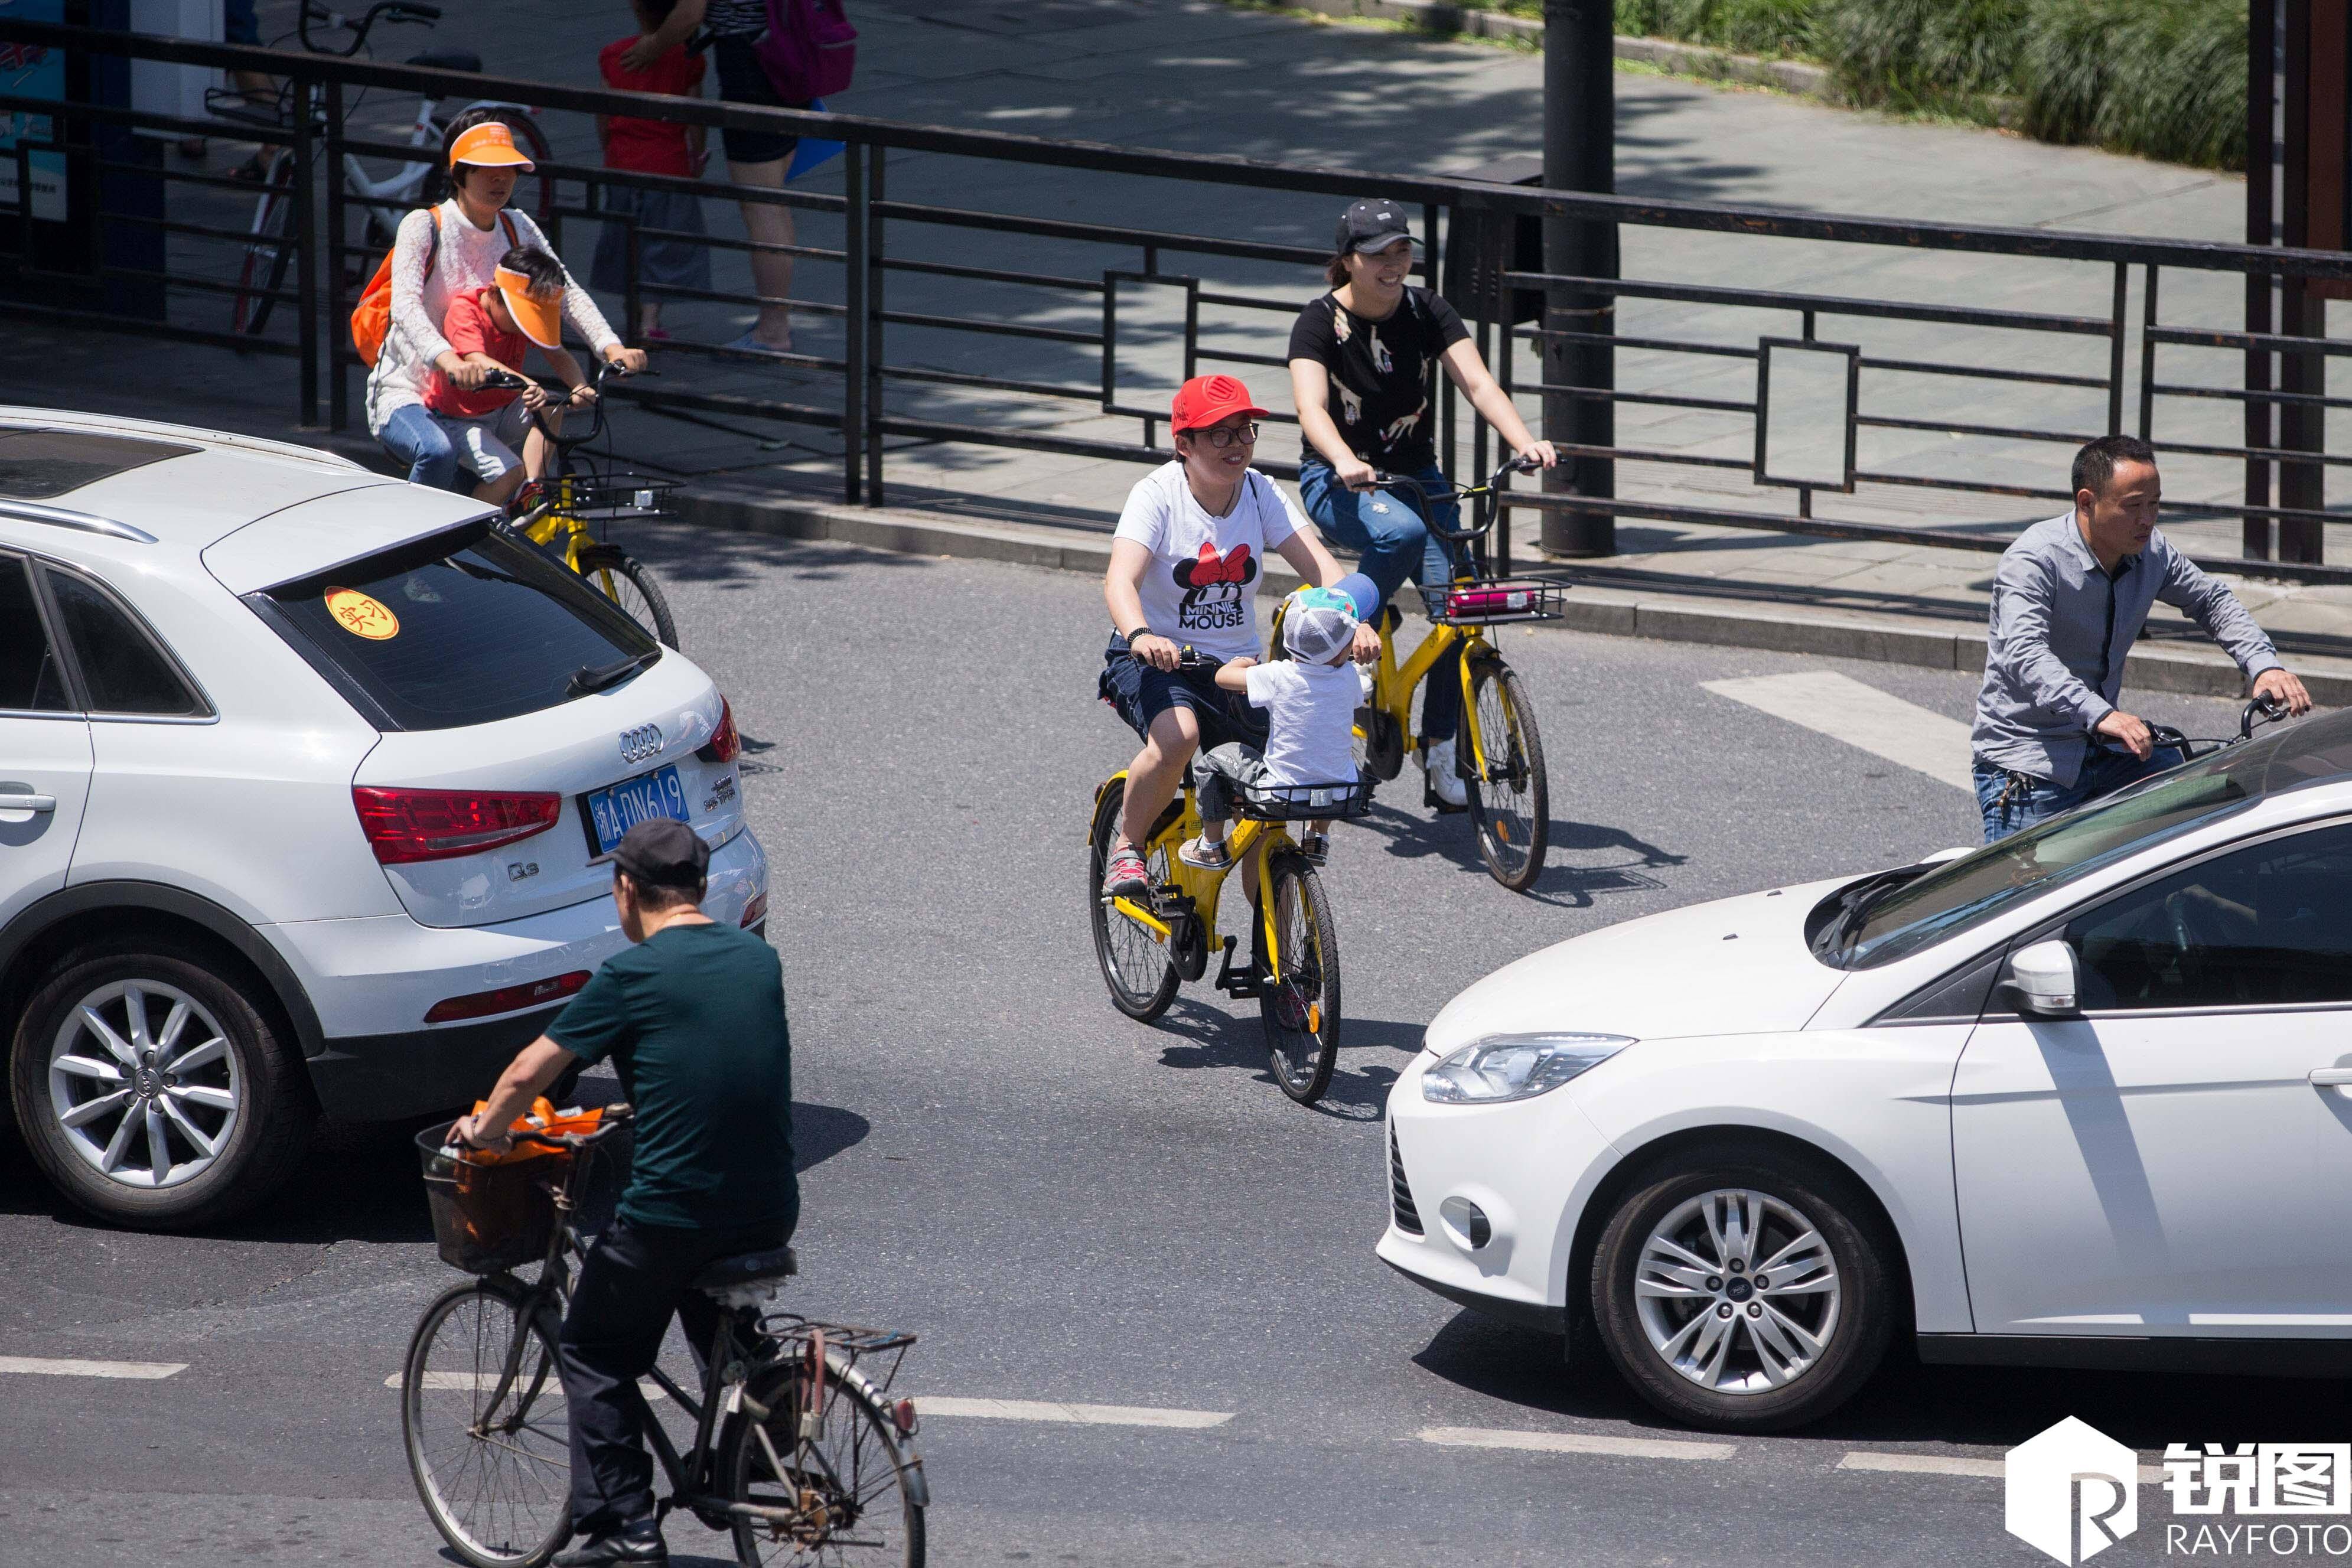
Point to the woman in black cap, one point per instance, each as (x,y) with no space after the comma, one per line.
(1362,372)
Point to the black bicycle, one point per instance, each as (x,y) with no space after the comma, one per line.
(798,1450)
(2261,710)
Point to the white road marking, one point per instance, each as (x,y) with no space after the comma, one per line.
(484,1382)
(1080,1415)
(1863,716)
(35,1366)
(1947,1464)
(1574,1443)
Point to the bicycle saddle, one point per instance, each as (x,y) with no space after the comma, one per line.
(449,60)
(748,1268)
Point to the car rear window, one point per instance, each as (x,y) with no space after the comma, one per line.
(467,627)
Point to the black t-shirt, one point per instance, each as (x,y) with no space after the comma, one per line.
(694,1021)
(1381,374)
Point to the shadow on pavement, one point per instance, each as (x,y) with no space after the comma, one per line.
(1414,835)
(1216,1039)
(1911,1403)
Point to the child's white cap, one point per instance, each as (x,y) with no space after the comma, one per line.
(1317,622)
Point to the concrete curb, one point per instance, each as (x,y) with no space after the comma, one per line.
(1439,17)
(1615,613)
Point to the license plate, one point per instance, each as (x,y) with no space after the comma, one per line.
(613,811)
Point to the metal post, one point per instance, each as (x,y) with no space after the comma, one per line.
(1443,385)
(306,249)
(2116,324)
(2261,178)
(2147,363)
(874,356)
(339,401)
(853,321)
(2302,312)
(1579,155)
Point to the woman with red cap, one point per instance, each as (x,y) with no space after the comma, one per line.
(440,253)
(1185,565)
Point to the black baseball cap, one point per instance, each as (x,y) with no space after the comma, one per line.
(1371,225)
(661,852)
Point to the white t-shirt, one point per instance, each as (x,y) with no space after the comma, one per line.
(1201,585)
(1310,720)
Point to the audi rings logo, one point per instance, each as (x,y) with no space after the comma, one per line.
(640,743)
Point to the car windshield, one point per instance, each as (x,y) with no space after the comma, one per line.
(1892,919)
(462,628)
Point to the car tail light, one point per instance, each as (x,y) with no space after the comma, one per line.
(755,910)
(405,825)
(511,999)
(724,742)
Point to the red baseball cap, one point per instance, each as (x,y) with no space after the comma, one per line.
(1204,400)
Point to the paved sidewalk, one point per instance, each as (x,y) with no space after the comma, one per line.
(1195,75)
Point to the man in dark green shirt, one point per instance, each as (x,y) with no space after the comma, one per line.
(692,1018)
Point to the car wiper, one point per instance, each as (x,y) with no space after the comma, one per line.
(1854,906)
(585,680)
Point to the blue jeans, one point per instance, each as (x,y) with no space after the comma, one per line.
(2013,801)
(412,435)
(1389,533)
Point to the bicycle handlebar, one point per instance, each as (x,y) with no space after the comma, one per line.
(1452,491)
(391,12)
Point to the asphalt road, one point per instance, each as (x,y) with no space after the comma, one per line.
(1070,1206)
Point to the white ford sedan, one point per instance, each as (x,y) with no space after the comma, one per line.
(2076,1099)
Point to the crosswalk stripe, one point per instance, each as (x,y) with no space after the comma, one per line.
(39,1367)
(1574,1443)
(485,1382)
(1863,716)
(1079,1414)
(1950,1465)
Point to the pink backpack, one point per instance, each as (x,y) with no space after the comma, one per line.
(809,50)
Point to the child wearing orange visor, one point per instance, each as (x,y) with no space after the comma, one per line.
(493,328)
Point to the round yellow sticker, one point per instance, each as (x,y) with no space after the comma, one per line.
(362,616)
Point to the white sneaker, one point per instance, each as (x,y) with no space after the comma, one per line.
(1437,764)
(1364,673)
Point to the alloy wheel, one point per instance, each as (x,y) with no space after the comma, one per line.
(144,1084)
(1738,1292)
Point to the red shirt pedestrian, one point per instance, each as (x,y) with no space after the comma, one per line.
(650,146)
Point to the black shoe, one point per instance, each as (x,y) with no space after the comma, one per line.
(636,1545)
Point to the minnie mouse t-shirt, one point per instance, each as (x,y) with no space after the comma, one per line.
(1201,585)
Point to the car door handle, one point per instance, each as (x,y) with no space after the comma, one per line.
(29,803)
(2325,1077)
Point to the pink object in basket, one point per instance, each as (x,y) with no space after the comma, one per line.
(1469,602)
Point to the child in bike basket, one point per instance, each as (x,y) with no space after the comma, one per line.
(493,328)
(1310,701)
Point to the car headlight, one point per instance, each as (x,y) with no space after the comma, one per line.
(1502,1067)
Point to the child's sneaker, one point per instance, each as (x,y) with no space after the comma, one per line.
(1315,847)
(1203,855)
(1126,876)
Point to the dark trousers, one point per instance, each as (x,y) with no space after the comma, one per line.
(634,1278)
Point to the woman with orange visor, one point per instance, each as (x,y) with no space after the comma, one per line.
(449,250)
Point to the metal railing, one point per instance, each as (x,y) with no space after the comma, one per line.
(1046,361)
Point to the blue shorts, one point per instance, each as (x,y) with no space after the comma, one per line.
(1143,693)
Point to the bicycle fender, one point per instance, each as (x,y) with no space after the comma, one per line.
(1118,778)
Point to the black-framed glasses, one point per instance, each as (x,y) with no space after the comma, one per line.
(1222,436)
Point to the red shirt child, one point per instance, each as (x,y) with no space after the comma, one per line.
(651,146)
(468,326)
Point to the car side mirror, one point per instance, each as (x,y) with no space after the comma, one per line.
(2042,979)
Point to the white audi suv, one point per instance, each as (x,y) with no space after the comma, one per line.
(301,770)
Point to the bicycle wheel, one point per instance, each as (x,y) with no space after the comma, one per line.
(624,580)
(263,272)
(494,1468)
(1301,1012)
(849,1492)
(1513,809)
(1140,968)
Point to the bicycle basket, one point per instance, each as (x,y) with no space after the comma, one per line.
(619,495)
(1488,602)
(490,1216)
(1303,802)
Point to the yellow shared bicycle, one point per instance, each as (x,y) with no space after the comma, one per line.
(1499,752)
(567,513)
(1150,945)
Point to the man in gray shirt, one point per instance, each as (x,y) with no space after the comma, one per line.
(2068,602)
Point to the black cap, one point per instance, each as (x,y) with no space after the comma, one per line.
(1371,225)
(661,852)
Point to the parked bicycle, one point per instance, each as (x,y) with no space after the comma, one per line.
(1149,947)
(1500,751)
(800,1451)
(420,183)
(2261,710)
(570,513)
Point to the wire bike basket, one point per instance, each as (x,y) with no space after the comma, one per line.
(614,496)
(1493,602)
(1303,802)
(496,1213)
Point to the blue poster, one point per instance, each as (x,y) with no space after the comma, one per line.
(32,70)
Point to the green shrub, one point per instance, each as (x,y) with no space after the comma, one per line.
(2166,78)
(1912,54)
(1749,27)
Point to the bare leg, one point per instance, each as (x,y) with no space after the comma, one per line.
(1158,770)
(772,271)
(536,446)
(497,492)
